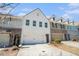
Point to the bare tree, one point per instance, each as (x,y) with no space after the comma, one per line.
(2,5)
(12,6)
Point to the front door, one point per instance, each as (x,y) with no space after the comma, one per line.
(16,40)
(65,36)
(47,38)
(68,36)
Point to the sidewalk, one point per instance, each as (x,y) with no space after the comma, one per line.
(67,48)
(42,50)
(71,43)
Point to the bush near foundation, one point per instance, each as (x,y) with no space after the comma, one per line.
(75,40)
(57,41)
(15,48)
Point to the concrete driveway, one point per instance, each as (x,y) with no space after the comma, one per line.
(71,43)
(41,50)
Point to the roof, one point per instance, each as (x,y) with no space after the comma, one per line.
(9,16)
(35,10)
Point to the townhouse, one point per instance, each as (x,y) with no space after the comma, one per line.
(58,30)
(35,28)
(63,30)
(10,26)
(72,31)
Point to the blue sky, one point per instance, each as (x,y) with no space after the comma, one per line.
(66,10)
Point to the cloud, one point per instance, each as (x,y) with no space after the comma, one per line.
(21,14)
(73,8)
(61,8)
(72,11)
(27,9)
(66,16)
(75,11)
(73,5)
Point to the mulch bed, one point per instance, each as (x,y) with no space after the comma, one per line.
(12,51)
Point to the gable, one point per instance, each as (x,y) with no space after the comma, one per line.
(35,14)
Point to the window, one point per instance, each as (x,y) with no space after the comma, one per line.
(61,26)
(52,24)
(34,23)
(40,24)
(68,27)
(56,25)
(46,25)
(27,22)
(78,29)
(0,17)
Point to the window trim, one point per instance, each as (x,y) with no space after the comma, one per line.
(34,23)
(46,25)
(27,22)
(40,24)
(52,24)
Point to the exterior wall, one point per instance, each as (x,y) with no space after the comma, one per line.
(14,23)
(9,21)
(73,34)
(31,34)
(58,36)
(4,39)
(57,32)
(78,31)
(11,24)
(72,31)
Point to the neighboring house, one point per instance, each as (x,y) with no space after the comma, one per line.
(62,30)
(57,30)
(78,29)
(72,32)
(35,28)
(4,39)
(9,23)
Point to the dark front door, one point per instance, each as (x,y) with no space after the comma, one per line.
(65,36)
(47,38)
(16,40)
(68,36)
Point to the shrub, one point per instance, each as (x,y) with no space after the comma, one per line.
(5,49)
(58,41)
(15,48)
(75,40)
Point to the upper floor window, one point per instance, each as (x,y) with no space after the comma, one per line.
(67,27)
(46,25)
(56,25)
(27,22)
(0,17)
(52,24)
(40,24)
(34,23)
(78,29)
(70,27)
(61,26)
(64,26)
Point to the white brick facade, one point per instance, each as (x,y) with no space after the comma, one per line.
(35,34)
